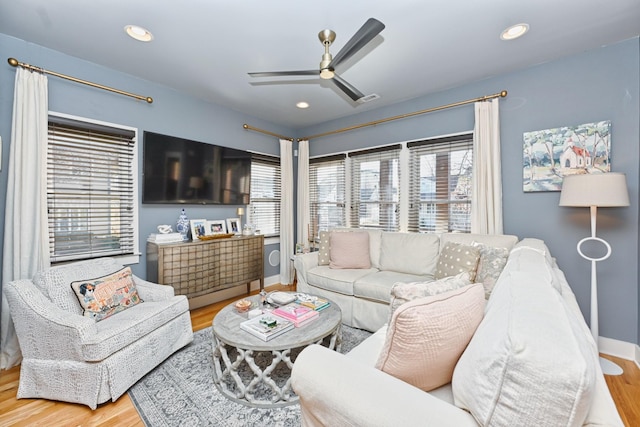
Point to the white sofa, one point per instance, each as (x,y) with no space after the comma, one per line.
(531,362)
(363,294)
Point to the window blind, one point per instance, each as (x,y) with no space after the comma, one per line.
(90,193)
(326,193)
(440,184)
(264,208)
(375,188)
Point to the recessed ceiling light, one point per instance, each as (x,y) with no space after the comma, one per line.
(302,105)
(514,31)
(138,33)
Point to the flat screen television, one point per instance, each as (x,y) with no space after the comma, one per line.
(178,170)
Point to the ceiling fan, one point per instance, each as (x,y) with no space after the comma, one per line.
(364,35)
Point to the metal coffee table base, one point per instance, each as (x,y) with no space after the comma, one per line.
(226,370)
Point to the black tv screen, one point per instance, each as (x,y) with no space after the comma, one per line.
(178,170)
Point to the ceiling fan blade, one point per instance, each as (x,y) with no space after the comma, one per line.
(347,88)
(286,73)
(365,34)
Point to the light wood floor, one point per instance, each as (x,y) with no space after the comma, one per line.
(625,390)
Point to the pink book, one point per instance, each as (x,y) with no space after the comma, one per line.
(296,313)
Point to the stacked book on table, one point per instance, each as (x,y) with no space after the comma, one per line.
(266,326)
(165,238)
(313,302)
(298,314)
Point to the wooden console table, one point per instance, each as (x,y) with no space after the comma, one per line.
(201,267)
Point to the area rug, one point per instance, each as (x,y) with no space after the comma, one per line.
(181,392)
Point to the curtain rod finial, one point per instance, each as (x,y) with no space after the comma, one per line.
(245,126)
(149,100)
(503,93)
(13,62)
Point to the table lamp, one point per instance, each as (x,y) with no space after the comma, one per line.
(595,190)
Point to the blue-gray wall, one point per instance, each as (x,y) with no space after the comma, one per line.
(597,85)
(171,113)
(602,84)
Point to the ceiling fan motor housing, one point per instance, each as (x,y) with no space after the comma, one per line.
(326,38)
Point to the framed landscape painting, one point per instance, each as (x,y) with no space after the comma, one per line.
(550,154)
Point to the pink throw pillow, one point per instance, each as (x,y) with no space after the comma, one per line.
(427,336)
(349,250)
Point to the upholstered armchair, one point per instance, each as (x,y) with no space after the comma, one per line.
(74,358)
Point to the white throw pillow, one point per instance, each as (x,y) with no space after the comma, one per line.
(427,336)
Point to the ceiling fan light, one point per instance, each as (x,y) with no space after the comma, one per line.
(326,73)
(302,105)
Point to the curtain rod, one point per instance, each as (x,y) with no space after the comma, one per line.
(266,132)
(502,94)
(14,63)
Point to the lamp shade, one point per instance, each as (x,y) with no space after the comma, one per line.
(600,189)
(240,211)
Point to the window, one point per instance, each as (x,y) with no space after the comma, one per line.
(264,209)
(91,189)
(375,188)
(440,184)
(326,193)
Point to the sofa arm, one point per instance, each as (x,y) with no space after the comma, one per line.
(44,330)
(336,390)
(150,291)
(305,262)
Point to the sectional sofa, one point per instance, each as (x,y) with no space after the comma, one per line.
(530,361)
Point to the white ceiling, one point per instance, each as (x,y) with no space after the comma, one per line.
(206,47)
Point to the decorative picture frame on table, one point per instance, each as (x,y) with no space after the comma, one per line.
(216,226)
(233,225)
(198,228)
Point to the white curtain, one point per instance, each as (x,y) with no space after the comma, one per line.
(486,186)
(26,235)
(286,211)
(303,192)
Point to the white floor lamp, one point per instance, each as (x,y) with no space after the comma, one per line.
(596,190)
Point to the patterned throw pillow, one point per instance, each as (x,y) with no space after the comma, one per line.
(455,259)
(490,266)
(323,252)
(105,296)
(427,336)
(405,292)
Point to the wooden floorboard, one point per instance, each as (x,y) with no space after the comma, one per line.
(625,390)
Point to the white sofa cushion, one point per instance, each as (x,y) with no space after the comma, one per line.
(506,241)
(378,286)
(336,280)
(524,365)
(426,336)
(411,253)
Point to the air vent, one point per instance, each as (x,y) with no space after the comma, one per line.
(369,98)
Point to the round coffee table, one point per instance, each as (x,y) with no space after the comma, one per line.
(257,373)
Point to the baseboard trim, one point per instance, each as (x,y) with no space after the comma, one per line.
(621,349)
